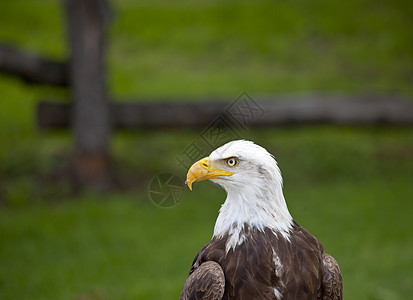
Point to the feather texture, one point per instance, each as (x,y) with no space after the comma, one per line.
(205,282)
(268,266)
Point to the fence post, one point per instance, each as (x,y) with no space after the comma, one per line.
(91,125)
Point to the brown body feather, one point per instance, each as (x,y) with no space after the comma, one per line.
(264,266)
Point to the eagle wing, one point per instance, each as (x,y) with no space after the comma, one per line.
(206,282)
(332,280)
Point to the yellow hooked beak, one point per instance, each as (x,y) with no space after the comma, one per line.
(203,170)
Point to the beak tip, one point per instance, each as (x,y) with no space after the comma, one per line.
(189,184)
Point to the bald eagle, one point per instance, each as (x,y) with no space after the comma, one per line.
(257,250)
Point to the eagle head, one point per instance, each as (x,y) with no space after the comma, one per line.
(237,166)
(251,177)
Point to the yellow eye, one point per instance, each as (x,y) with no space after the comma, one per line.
(231,161)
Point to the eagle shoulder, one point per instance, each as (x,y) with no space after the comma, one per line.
(205,282)
(332,279)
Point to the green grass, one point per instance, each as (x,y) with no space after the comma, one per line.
(351,187)
(220,48)
(200,48)
(126,248)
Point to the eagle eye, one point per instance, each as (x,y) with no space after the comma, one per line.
(231,161)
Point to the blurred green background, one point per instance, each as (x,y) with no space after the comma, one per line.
(351,187)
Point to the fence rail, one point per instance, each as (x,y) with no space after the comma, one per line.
(277,111)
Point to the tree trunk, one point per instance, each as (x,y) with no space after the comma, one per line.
(91,125)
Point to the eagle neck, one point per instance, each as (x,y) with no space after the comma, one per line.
(253,208)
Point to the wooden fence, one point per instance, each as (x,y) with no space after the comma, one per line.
(91,116)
